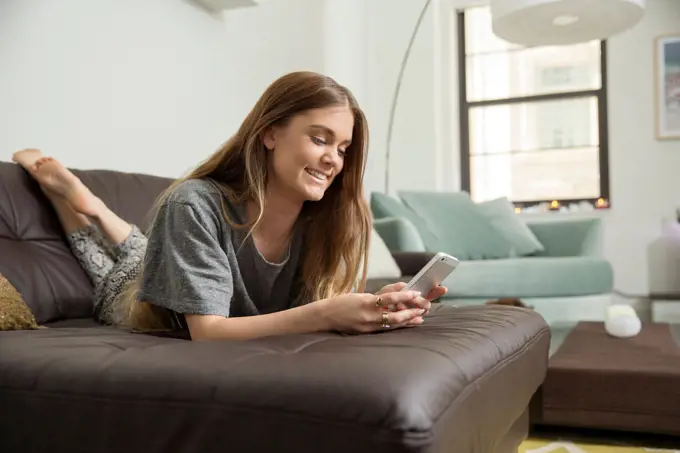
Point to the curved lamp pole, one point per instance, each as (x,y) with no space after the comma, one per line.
(390,124)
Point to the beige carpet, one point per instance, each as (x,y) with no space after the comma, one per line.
(552,446)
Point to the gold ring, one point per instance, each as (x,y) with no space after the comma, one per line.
(385,320)
(378,303)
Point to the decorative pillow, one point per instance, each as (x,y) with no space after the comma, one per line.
(381,264)
(502,216)
(399,234)
(384,206)
(14,313)
(463,231)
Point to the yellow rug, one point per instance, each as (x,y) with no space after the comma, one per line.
(558,446)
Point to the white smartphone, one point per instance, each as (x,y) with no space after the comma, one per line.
(432,274)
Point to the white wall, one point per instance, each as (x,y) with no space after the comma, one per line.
(344,45)
(644,172)
(644,184)
(413,152)
(142,85)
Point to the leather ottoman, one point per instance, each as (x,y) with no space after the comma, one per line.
(627,384)
(459,383)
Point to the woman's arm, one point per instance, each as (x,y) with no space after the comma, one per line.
(351,313)
(303,319)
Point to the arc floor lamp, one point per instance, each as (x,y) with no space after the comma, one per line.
(395,98)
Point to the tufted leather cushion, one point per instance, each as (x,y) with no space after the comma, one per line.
(33,253)
(457,383)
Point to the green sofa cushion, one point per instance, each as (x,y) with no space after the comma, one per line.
(569,236)
(531,277)
(501,214)
(399,234)
(462,230)
(384,206)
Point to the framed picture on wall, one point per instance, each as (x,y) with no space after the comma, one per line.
(667,75)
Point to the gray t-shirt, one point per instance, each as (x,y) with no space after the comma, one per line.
(196,263)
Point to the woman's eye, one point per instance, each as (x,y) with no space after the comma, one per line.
(342,152)
(318,141)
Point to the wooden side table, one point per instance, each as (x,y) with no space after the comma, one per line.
(597,381)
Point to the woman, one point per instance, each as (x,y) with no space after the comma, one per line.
(268,236)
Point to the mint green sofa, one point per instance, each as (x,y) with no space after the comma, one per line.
(565,279)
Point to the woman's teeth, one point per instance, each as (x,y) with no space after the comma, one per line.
(316,174)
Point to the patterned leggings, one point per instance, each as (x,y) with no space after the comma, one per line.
(109,266)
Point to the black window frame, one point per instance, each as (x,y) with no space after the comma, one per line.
(600,94)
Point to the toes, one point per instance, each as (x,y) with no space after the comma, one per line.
(36,165)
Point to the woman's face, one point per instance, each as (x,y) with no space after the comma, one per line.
(308,152)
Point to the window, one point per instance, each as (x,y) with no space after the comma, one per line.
(533,120)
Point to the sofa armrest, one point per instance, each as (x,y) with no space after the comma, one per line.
(411,262)
(399,234)
(569,237)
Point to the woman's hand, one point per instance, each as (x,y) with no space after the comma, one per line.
(362,313)
(423,302)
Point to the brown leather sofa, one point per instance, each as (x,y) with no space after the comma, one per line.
(460,383)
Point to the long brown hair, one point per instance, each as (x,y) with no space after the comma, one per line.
(337,229)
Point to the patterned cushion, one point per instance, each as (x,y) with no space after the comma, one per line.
(14,313)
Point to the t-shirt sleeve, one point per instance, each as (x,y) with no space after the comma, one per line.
(185,267)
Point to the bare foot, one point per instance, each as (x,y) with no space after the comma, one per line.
(56,179)
(27,157)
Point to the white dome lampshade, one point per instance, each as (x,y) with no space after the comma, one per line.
(217,6)
(562,22)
